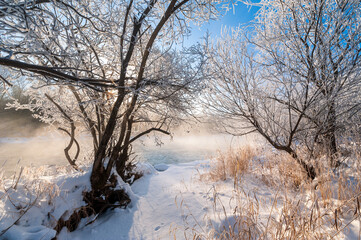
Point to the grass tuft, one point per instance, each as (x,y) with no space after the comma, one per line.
(231,164)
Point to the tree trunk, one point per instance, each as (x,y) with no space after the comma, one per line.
(329,135)
(310,170)
(98,176)
(124,156)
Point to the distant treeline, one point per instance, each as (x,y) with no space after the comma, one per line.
(16,123)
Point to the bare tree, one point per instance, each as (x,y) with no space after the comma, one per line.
(320,41)
(242,94)
(291,75)
(106,64)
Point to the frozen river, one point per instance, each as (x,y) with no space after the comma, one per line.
(48,150)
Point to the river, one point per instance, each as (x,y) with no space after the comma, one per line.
(49,149)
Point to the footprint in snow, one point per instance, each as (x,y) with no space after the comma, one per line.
(161,167)
(29,233)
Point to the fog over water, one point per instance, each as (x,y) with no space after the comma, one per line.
(32,151)
(185,148)
(45,146)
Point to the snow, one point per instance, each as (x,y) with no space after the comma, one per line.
(42,201)
(161,167)
(162,203)
(154,211)
(174,201)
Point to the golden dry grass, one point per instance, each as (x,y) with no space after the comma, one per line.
(232,164)
(280,168)
(325,208)
(292,219)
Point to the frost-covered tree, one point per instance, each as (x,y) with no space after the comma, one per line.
(293,74)
(242,95)
(107,64)
(320,42)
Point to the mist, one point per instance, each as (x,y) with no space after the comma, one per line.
(26,142)
(185,147)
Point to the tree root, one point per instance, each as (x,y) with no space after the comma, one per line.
(98,201)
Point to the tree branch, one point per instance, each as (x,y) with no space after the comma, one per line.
(50,72)
(148,131)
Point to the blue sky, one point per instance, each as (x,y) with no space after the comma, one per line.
(240,14)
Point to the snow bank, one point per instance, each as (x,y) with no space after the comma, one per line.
(167,204)
(32,209)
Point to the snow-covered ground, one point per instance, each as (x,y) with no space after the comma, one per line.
(159,207)
(164,203)
(174,202)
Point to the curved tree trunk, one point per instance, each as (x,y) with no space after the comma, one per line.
(310,170)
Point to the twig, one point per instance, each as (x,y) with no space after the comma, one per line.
(26,210)
(72,138)
(17,181)
(6,81)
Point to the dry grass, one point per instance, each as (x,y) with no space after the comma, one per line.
(233,163)
(326,208)
(280,168)
(287,219)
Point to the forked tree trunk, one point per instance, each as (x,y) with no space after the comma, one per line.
(100,174)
